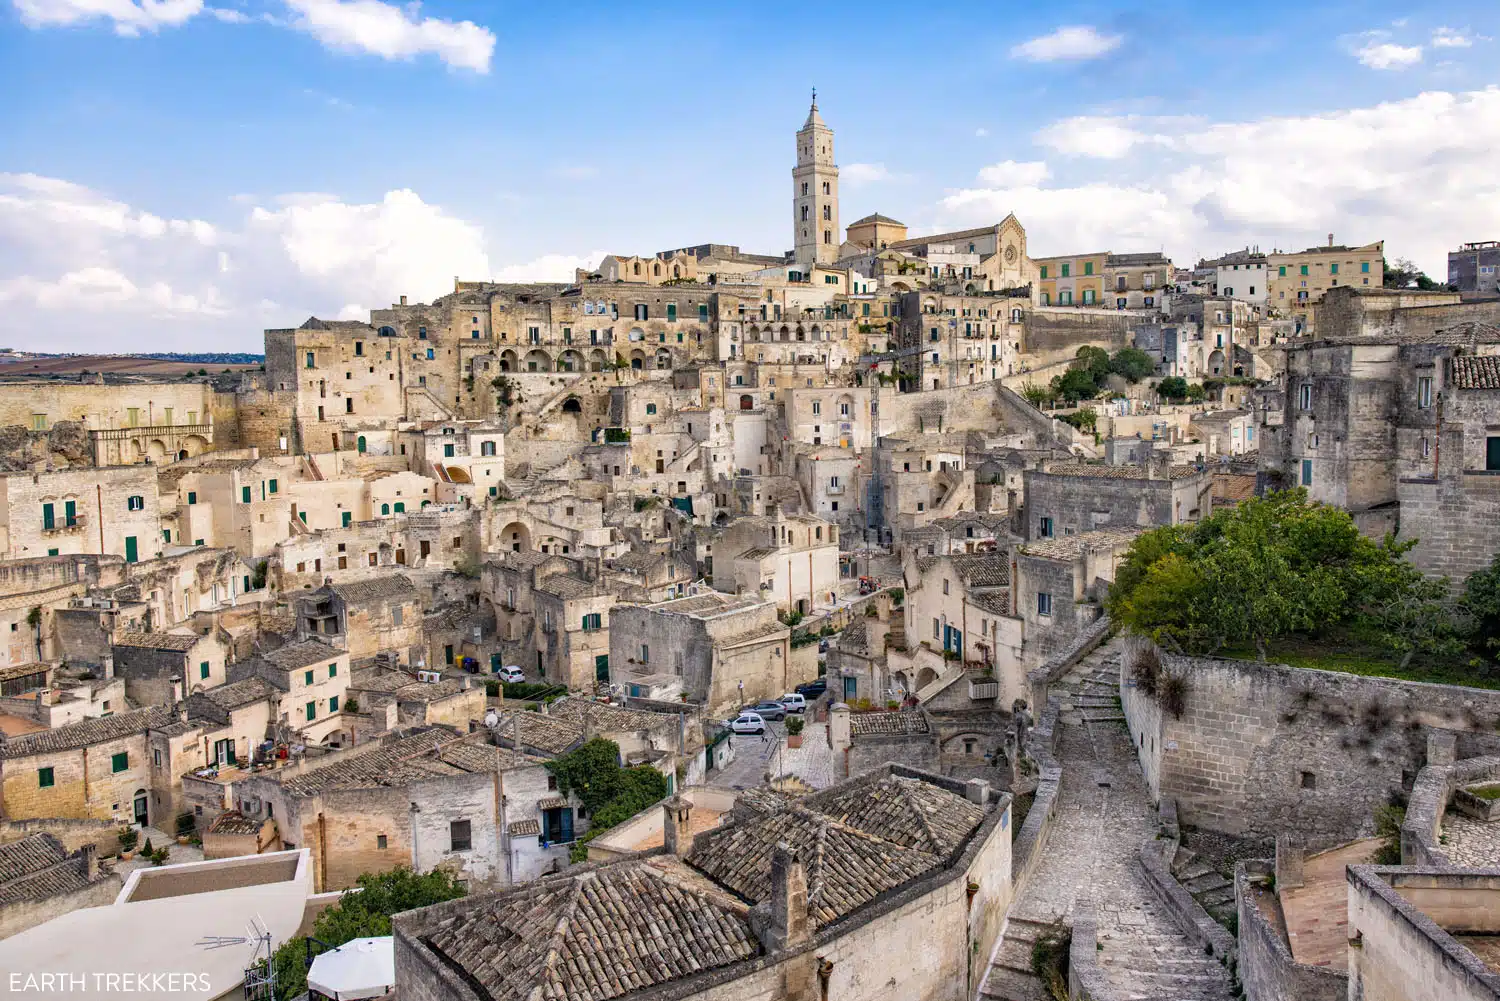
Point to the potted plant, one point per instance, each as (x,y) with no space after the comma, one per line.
(794,725)
(128,839)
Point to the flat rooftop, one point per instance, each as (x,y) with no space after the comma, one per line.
(1317,912)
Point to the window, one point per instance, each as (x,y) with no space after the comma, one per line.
(1066,268)
(119,762)
(1333,268)
(307,677)
(1307,472)
(1492,454)
(49,518)
(1309,780)
(945,585)
(333,703)
(1424,391)
(1088,267)
(1282,271)
(1304,396)
(650,409)
(312,711)
(1364,267)
(203,670)
(311,360)
(592,622)
(380,841)
(44,778)
(244,495)
(1045,528)
(192,497)
(448,450)
(645,653)
(459,838)
(135,502)
(1043,603)
(1303,269)
(1088,297)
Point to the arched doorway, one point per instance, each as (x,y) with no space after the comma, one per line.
(360,444)
(142,808)
(572,406)
(538,361)
(570,361)
(182,454)
(663,358)
(516,537)
(747,403)
(925,677)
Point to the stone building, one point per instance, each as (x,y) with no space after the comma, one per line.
(956,339)
(815,193)
(1137,281)
(162,668)
(1060,585)
(97,768)
(313,679)
(959,616)
(111,511)
(792,560)
(1297,281)
(1064,499)
(723,650)
(1475,267)
(802,900)
(365,618)
(429,799)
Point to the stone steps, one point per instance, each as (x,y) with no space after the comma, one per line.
(1008,985)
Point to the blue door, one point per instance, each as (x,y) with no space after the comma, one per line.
(851,689)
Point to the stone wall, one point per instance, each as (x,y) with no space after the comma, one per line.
(1266,749)
(17,916)
(1454,516)
(1031,839)
(74,834)
(1266,967)
(1185,911)
(1066,330)
(1421,831)
(1402,953)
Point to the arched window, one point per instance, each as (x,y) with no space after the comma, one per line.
(827,236)
(637,267)
(360,444)
(804,213)
(826,191)
(387,331)
(828,212)
(656,270)
(676,271)
(385,509)
(747,403)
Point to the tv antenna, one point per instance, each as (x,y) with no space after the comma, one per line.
(260,973)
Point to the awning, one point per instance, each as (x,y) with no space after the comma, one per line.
(552,803)
(525,828)
(360,968)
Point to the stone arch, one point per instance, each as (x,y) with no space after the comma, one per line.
(538,360)
(900,681)
(663,358)
(786,332)
(195,444)
(156,450)
(516,537)
(361,445)
(637,359)
(572,406)
(925,677)
(387,331)
(747,402)
(816,332)
(801,334)
(597,360)
(509,361)
(570,361)
(1216,362)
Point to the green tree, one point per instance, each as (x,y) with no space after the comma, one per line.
(1038,396)
(1404,274)
(1196,393)
(1075,384)
(363,914)
(1083,420)
(1481,603)
(1173,387)
(610,793)
(1132,364)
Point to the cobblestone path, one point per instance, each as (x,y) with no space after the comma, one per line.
(1104,816)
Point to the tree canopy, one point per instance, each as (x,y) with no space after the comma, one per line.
(1132,364)
(1270,567)
(610,793)
(365,913)
(1402,273)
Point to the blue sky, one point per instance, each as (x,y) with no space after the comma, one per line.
(185,173)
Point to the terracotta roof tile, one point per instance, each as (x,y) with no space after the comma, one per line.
(1476,372)
(86,732)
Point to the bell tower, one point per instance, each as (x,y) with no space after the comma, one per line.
(815,193)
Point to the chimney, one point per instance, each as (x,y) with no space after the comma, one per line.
(1330,239)
(403,300)
(466,682)
(676,834)
(977,791)
(90,855)
(838,730)
(787,924)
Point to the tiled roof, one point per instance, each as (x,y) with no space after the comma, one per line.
(234,822)
(975,569)
(541,731)
(899,722)
(994,601)
(179,642)
(380,588)
(38,867)
(1476,372)
(1068,547)
(239,693)
(604,718)
(526,828)
(758,553)
(86,732)
(903,810)
(846,867)
(636,560)
(22,670)
(591,935)
(552,803)
(1115,472)
(566,586)
(29,854)
(426,754)
(298,655)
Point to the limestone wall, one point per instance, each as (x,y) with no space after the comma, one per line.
(1266,967)
(1266,749)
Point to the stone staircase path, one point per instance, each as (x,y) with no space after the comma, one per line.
(1103,817)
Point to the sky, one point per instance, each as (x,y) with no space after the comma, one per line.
(179,175)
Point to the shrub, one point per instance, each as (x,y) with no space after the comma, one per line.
(1146,670)
(160,856)
(794,725)
(128,839)
(1388,821)
(1171,693)
(1049,959)
(147,850)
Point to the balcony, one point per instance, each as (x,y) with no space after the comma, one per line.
(65,526)
(834,489)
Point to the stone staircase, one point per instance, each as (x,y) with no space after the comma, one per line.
(1090,691)
(1207,885)
(1010,977)
(1162,965)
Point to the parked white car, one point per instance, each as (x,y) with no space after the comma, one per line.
(793,702)
(748,723)
(511,673)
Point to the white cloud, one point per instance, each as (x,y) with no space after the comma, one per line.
(549,268)
(129,17)
(93,272)
(1389,55)
(1071,43)
(229,15)
(1280,181)
(856,174)
(981,132)
(1449,38)
(1095,136)
(1010,174)
(394,32)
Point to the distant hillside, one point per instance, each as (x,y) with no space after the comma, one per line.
(190,358)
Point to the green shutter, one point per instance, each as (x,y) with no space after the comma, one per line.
(245,495)
(120,762)
(203,669)
(70,513)
(400,507)
(346,518)
(312,711)
(132,554)
(307,677)
(44,778)
(49,519)
(333,670)
(1044,272)
(333,704)
(273,486)
(192,496)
